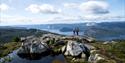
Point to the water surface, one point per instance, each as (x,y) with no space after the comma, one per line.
(48,59)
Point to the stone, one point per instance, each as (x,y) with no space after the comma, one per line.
(33,49)
(76,49)
(63,49)
(109,42)
(73,59)
(106,42)
(89,39)
(94,58)
(66,53)
(73,48)
(90,47)
(83,55)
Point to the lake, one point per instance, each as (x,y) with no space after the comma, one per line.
(82,34)
(63,33)
(48,59)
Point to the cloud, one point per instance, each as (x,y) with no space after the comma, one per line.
(102,18)
(90,6)
(44,8)
(94,7)
(70,5)
(3,7)
(22,20)
(33,8)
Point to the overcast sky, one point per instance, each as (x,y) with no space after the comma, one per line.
(23,12)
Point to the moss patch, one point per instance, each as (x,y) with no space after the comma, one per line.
(8,48)
(114,52)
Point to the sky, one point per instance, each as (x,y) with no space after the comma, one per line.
(25,12)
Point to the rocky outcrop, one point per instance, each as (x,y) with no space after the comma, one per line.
(95,57)
(33,49)
(49,37)
(69,45)
(109,42)
(75,49)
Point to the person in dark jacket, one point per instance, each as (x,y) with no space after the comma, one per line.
(76,31)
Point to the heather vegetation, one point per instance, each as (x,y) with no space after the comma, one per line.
(8,48)
(113,52)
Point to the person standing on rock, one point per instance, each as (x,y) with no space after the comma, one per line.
(73,31)
(76,31)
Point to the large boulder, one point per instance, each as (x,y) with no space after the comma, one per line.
(33,50)
(50,36)
(94,58)
(75,49)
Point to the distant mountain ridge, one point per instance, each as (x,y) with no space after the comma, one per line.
(112,30)
(8,33)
